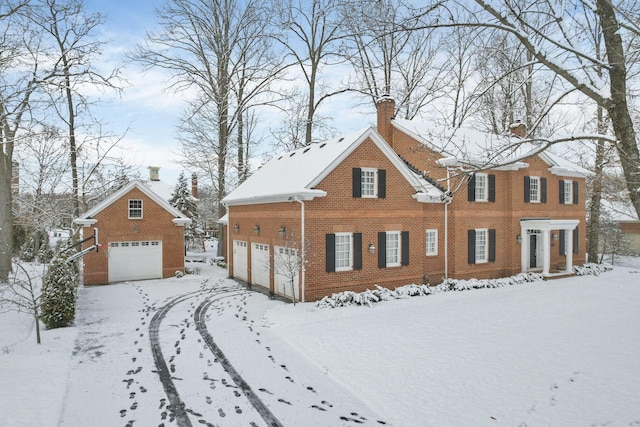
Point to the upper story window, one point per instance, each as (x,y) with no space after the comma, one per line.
(135,209)
(344,252)
(568,192)
(482,187)
(535,189)
(432,242)
(369,183)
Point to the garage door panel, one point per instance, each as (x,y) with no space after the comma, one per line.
(286,267)
(240,260)
(260,267)
(135,260)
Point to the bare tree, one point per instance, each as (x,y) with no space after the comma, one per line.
(551,32)
(313,35)
(23,295)
(390,56)
(217,50)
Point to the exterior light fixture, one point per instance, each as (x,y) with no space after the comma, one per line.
(282,231)
(236,228)
(372,249)
(519,239)
(256,229)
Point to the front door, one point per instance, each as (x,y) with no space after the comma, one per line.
(533,250)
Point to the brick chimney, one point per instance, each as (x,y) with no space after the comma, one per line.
(518,129)
(194,185)
(386,107)
(154,173)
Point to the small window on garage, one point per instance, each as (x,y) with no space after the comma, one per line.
(135,209)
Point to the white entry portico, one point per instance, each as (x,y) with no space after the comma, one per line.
(540,230)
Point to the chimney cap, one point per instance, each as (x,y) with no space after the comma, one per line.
(385,97)
(154,173)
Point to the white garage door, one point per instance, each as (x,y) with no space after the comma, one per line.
(260,265)
(240,260)
(286,265)
(135,260)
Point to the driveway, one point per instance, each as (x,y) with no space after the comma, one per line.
(194,351)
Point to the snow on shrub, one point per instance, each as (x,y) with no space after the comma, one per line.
(59,294)
(368,297)
(591,268)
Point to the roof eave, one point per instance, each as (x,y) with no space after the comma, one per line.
(303,196)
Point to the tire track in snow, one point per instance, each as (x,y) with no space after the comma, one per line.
(256,402)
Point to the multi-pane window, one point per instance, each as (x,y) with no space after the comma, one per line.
(481,187)
(432,242)
(568,192)
(534,189)
(343,252)
(368,182)
(482,245)
(135,208)
(393,248)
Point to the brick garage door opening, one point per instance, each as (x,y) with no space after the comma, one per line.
(135,260)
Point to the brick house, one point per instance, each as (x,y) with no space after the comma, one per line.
(140,233)
(406,203)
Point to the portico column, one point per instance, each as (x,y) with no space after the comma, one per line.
(546,259)
(569,250)
(524,248)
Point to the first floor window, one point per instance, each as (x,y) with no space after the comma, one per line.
(344,252)
(135,209)
(432,242)
(482,245)
(393,248)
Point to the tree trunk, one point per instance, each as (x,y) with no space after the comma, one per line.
(596,196)
(6,223)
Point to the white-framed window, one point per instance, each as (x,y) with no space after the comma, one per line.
(393,248)
(369,182)
(482,245)
(135,209)
(432,242)
(482,185)
(534,189)
(344,252)
(568,192)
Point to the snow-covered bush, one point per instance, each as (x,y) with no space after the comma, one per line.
(378,294)
(591,268)
(179,274)
(59,294)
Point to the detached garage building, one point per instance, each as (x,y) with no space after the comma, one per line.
(141,236)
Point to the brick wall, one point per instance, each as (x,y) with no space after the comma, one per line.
(114,226)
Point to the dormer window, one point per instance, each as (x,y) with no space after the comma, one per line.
(135,209)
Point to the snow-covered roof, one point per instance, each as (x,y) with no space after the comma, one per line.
(87,218)
(621,211)
(294,175)
(468,147)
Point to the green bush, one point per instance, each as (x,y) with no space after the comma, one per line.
(59,294)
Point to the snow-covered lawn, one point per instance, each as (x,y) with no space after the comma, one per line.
(557,353)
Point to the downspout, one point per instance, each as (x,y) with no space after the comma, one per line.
(446,228)
(227,254)
(302,248)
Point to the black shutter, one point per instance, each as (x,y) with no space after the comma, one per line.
(527,189)
(471,249)
(562,242)
(492,245)
(576,241)
(543,190)
(382,249)
(492,188)
(472,189)
(382,183)
(357,251)
(575,192)
(404,252)
(357,182)
(331,253)
(561,192)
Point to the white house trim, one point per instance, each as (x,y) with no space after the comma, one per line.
(544,226)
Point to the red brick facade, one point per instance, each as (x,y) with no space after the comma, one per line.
(340,212)
(114,225)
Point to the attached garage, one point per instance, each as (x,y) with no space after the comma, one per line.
(260,267)
(240,260)
(135,260)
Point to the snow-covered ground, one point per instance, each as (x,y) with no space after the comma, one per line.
(203,350)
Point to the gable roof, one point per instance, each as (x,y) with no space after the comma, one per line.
(467,147)
(294,175)
(87,217)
